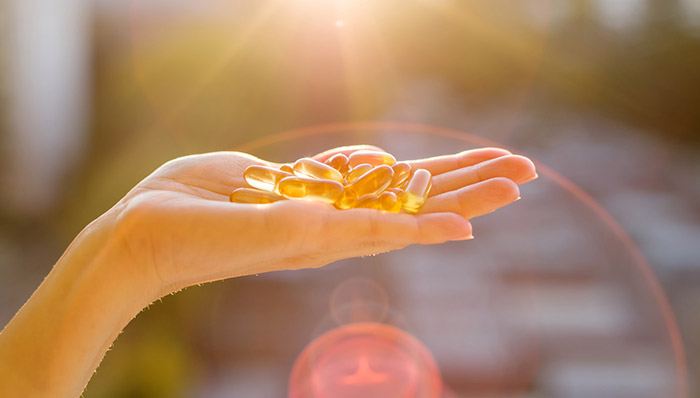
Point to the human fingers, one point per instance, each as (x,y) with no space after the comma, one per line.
(518,169)
(345,150)
(301,234)
(474,200)
(322,226)
(431,228)
(383,231)
(442,164)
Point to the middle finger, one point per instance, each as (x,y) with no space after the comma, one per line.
(518,169)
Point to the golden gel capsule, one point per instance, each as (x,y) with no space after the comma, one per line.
(397,191)
(402,171)
(249,195)
(417,191)
(307,167)
(262,177)
(373,181)
(357,171)
(388,201)
(347,199)
(375,158)
(339,162)
(370,201)
(287,168)
(310,188)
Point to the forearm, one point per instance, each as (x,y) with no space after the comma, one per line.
(56,341)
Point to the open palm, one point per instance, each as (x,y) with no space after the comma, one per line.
(178,227)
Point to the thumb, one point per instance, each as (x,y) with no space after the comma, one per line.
(365,231)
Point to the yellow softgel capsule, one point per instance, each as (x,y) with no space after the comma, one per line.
(373,181)
(287,168)
(397,191)
(263,177)
(357,171)
(370,201)
(402,171)
(388,201)
(310,188)
(417,191)
(339,162)
(307,167)
(347,199)
(375,158)
(254,196)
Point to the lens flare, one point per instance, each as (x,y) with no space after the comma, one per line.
(369,360)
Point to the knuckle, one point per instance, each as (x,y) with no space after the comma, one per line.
(505,187)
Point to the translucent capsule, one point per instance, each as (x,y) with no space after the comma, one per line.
(375,158)
(357,171)
(310,188)
(370,201)
(339,162)
(264,178)
(373,181)
(287,168)
(249,195)
(402,171)
(347,199)
(388,201)
(417,191)
(307,167)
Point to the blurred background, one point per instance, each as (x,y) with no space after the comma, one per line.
(549,300)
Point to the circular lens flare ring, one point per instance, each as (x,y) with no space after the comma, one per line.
(673,332)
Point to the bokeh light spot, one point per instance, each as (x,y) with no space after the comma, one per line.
(369,360)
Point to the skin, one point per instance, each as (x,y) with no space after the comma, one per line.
(177,228)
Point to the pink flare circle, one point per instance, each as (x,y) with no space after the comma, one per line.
(368,360)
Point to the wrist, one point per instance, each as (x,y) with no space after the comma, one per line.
(73,317)
(100,254)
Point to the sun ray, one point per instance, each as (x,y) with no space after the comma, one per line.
(167,118)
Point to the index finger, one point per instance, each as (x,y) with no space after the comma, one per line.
(442,164)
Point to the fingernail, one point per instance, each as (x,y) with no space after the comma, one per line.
(528,179)
(468,237)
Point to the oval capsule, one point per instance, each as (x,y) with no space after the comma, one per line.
(339,162)
(402,172)
(357,172)
(287,168)
(375,158)
(373,181)
(263,177)
(370,201)
(310,188)
(388,201)
(253,196)
(307,167)
(417,190)
(346,201)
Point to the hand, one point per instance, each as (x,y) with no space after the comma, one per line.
(178,228)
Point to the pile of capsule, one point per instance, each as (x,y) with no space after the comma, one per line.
(365,179)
